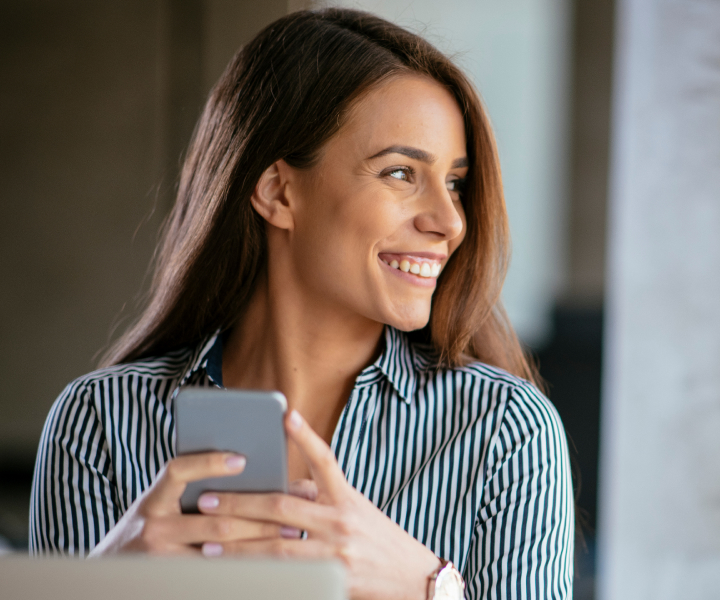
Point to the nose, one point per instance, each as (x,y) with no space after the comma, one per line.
(439,214)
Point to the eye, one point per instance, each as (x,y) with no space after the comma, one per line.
(457,186)
(400,173)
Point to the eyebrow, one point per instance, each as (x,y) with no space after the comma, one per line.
(418,154)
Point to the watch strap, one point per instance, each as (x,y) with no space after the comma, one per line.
(446,583)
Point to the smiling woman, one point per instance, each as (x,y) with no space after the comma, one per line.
(339,235)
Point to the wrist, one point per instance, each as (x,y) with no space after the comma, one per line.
(424,567)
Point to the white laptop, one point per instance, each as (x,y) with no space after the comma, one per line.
(136,578)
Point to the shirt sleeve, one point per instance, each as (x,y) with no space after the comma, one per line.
(72,503)
(524,533)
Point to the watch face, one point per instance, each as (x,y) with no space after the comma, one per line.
(449,585)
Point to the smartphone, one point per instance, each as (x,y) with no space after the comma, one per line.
(242,421)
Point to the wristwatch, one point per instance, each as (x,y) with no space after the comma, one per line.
(446,583)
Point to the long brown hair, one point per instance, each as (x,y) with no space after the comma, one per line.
(282,97)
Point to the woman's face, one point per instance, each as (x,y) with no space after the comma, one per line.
(378,216)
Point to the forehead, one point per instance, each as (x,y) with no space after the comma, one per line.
(409,110)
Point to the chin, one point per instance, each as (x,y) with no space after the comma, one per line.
(409,322)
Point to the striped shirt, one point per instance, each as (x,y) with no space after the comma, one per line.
(471,461)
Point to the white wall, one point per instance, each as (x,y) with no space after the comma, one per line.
(517,53)
(660,469)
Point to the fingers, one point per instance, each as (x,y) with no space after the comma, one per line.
(278,548)
(303,488)
(164,495)
(317,454)
(178,530)
(175,550)
(275,508)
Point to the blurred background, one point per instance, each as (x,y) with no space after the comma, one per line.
(98,102)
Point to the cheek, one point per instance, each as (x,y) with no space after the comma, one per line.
(353,225)
(335,242)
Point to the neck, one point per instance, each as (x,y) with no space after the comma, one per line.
(309,352)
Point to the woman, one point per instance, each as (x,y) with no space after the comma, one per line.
(342,190)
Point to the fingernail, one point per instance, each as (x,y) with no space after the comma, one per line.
(235,462)
(208,501)
(289,532)
(212,549)
(295,419)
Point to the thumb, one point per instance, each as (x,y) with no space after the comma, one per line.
(317,455)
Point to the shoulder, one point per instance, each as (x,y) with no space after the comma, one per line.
(521,394)
(95,400)
(528,422)
(526,408)
(514,399)
(425,361)
(119,379)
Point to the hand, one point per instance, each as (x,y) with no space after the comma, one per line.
(381,559)
(155,524)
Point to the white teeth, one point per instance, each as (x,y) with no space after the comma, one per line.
(422,269)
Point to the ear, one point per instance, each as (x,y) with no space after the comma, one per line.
(270,197)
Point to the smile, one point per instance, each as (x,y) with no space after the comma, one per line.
(428,268)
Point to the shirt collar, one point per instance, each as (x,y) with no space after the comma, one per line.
(207,355)
(398,363)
